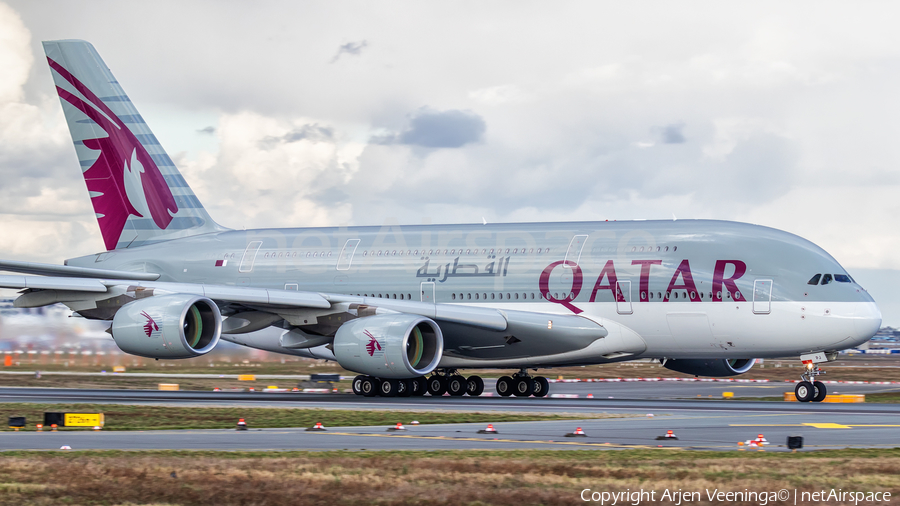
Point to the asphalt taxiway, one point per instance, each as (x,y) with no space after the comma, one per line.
(697,423)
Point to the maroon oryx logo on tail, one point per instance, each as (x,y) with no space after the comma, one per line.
(150,327)
(373,345)
(121,155)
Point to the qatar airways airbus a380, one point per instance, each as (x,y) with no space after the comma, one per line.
(410,307)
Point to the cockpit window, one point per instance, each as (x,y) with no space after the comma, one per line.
(842,278)
(814,280)
(826,279)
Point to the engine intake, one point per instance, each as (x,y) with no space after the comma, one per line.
(168,326)
(389,346)
(711,367)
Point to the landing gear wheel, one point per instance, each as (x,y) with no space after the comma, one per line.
(368,386)
(821,391)
(505,386)
(523,387)
(404,388)
(388,388)
(437,385)
(805,391)
(456,385)
(357,384)
(418,386)
(474,386)
(541,386)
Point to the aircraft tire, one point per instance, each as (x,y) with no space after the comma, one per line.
(404,388)
(437,386)
(804,391)
(821,391)
(418,386)
(388,388)
(456,385)
(523,387)
(474,386)
(368,387)
(505,386)
(541,386)
(357,382)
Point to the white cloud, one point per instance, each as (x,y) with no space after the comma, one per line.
(499,95)
(266,175)
(44,211)
(15,55)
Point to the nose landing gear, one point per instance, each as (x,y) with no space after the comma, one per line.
(810,389)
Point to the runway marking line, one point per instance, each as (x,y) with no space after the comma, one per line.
(492,440)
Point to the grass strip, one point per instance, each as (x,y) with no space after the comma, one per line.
(518,477)
(143,417)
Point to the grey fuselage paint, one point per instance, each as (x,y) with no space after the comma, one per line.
(688,288)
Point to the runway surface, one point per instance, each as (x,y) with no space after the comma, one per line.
(699,430)
(698,424)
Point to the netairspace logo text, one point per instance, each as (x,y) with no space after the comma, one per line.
(763,498)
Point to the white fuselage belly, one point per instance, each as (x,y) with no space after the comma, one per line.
(678,330)
(718,330)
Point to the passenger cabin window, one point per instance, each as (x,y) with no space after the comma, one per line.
(842,278)
(826,279)
(814,280)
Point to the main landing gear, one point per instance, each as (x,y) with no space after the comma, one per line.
(451,382)
(455,384)
(810,389)
(370,386)
(437,385)
(522,384)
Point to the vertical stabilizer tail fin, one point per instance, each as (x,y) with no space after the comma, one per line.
(139,197)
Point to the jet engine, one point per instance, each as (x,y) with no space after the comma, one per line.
(168,326)
(711,367)
(395,346)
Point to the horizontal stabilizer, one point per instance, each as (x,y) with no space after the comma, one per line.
(45,283)
(73,272)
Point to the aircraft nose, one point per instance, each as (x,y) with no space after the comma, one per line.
(867,322)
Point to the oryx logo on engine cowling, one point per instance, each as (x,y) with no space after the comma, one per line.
(150,327)
(373,344)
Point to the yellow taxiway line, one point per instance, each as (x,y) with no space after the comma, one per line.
(498,440)
(816,425)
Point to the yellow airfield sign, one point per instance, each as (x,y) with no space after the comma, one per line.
(83,420)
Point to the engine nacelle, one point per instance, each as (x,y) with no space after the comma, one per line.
(168,326)
(711,367)
(393,346)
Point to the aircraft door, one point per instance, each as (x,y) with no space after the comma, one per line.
(762,296)
(249,256)
(623,297)
(573,253)
(427,292)
(346,257)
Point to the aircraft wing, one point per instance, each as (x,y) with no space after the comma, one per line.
(71,288)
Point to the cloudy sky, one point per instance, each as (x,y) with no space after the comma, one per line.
(324,113)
